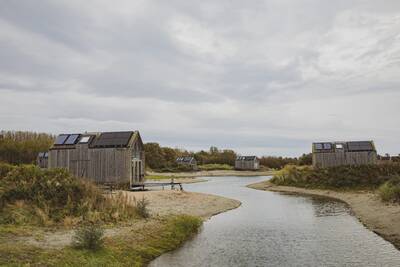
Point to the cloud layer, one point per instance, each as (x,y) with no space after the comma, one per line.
(265,78)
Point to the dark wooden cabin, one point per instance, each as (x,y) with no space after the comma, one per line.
(187,161)
(330,154)
(247,163)
(108,157)
(42,160)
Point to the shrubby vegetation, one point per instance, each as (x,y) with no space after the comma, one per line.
(390,190)
(341,177)
(212,167)
(89,237)
(280,162)
(163,158)
(30,195)
(23,147)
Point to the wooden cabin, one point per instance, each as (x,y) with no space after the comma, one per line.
(247,163)
(187,161)
(42,159)
(330,154)
(108,157)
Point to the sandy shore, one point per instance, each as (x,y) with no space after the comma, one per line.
(214,173)
(168,202)
(379,217)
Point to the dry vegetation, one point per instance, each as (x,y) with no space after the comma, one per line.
(35,203)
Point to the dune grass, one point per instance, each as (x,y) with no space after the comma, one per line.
(135,248)
(33,196)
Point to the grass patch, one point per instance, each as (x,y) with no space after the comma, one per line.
(214,167)
(135,248)
(341,177)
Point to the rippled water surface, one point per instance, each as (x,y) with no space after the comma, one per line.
(272,229)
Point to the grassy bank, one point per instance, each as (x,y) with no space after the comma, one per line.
(36,203)
(134,248)
(384,178)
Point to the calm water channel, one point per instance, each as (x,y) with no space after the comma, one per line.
(272,229)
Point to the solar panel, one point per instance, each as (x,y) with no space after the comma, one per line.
(84,140)
(327,146)
(61,139)
(71,139)
(319,146)
(113,139)
(360,146)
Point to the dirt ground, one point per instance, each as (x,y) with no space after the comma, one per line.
(161,203)
(379,217)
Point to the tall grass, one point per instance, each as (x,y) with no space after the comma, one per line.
(29,194)
(341,177)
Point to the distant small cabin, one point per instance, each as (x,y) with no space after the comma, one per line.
(187,161)
(42,159)
(330,154)
(247,163)
(108,157)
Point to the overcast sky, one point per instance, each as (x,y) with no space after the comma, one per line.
(260,77)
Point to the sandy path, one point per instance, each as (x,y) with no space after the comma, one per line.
(161,203)
(382,218)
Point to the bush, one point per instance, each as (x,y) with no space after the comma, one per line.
(56,194)
(88,237)
(390,191)
(364,176)
(141,208)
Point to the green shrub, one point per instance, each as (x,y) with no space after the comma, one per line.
(141,208)
(212,167)
(390,191)
(88,237)
(364,176)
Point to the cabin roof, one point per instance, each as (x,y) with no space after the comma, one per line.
(349,146)
(96,140)
(246,158)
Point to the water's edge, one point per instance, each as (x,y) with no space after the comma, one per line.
(393,238)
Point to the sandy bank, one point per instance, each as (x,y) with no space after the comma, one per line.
(213,173)
(168,202)
(379,217)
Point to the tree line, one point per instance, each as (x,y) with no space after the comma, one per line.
(19,147)
(164,158)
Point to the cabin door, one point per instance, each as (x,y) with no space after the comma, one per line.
(136,172)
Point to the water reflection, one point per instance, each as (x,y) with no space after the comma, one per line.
(271,229)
